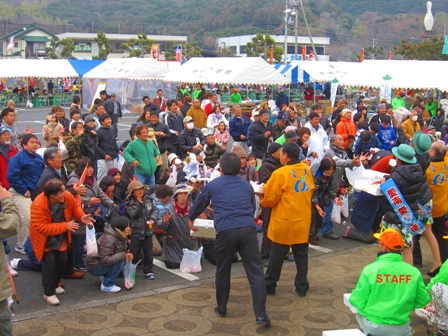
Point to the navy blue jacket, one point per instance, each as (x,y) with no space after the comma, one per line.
(24,171)
(361,147)
(175,123)
(233,202)
(106,143)
(238,127)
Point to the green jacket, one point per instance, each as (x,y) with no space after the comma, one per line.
(235,98)
(196,93)
(281,140)
(145,154)
(432,108)
(388,290)
(442,276)
(10,224)
(73,145)
(398,102)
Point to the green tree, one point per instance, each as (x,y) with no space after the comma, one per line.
(169,53)
(189,50)
(430,49)
(61,48)
(138,47)
(103,46)
(259,47)
(226,52)
(376,52)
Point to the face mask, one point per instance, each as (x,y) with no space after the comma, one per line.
(414,118)
(190,125)
(392,162)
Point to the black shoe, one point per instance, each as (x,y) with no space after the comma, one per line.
(434,273)
(218,313)
(270,291)
(330,235)
(265,321)
(265,262)
(289,257)
(301,294)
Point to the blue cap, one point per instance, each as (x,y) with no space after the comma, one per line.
(3,130)
(282,116)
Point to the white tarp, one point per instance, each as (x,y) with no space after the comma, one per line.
(20,68)
(404,74)
(312,71)
(227,70)
(129,68)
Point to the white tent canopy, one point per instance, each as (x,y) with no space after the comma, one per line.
(129,68)
(227,70)
(16,68)
(323,71)
(404,74)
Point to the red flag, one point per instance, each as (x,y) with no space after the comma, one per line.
(81,182)
(361,55)
(303,53)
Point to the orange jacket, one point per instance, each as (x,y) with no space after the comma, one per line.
(342,127)
(41,226)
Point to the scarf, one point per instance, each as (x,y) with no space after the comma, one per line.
(216,117)
(182,211)
(337,150)
(89,180)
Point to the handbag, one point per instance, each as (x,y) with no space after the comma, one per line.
(191,261)
(92,247)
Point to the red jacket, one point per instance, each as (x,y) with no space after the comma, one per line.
(41,226)
(4,166)
(209,107)
(161,103)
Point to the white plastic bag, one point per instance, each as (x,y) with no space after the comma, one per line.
(62,148)
(121,162)
(344,208)
(336,214)
(173,177)
(191,261)
(129,271)
(354,174)
(92,247)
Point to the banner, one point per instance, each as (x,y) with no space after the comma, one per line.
(101,87)
(389,55)
(401,208)
(303,53)
(155,50)
(178,53)
(311,58)
(334,90)
(361,55)
(386,89)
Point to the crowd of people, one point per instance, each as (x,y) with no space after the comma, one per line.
(185,160)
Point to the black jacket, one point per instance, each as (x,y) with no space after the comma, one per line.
(140,214)
(259,141)
(425,194)
(438,121)
(106,143)
(326,124)
(324,191)
(444,129)
(213,154)
(184,109)
(187,139)
(50,173)
(408,178)
(161,141)
(88,143)
(268,165)
(119,193)
(151,107)
(109,106)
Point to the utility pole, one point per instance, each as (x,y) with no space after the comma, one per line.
(118,28)
(309,31)
(373,48)
(444,30)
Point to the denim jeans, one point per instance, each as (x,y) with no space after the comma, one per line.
(78,249)
(327,223)
(145,179)
(110,273)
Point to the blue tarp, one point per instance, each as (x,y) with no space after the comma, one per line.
(84,66)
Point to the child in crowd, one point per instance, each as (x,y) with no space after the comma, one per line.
(143,214)
(222,136)
(253,161)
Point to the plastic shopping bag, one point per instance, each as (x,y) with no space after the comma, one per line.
(344,208)
(336,214)
(129,271)
(173,177)
(354,174)
(92,247)
(120,162)
(191,261)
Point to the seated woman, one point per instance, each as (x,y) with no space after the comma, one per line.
(92,199)
(177,232)
(112,254)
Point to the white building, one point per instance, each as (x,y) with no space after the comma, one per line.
(238,45)
(86,47)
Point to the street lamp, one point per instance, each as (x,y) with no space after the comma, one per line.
(295,12)
(285,56)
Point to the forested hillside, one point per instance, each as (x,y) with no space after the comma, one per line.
(350,24)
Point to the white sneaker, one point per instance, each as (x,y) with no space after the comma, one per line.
(13,271)
(52,300)
(60,291)
(14,263)
(111,289)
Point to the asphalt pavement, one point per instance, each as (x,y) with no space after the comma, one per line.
(86,292)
